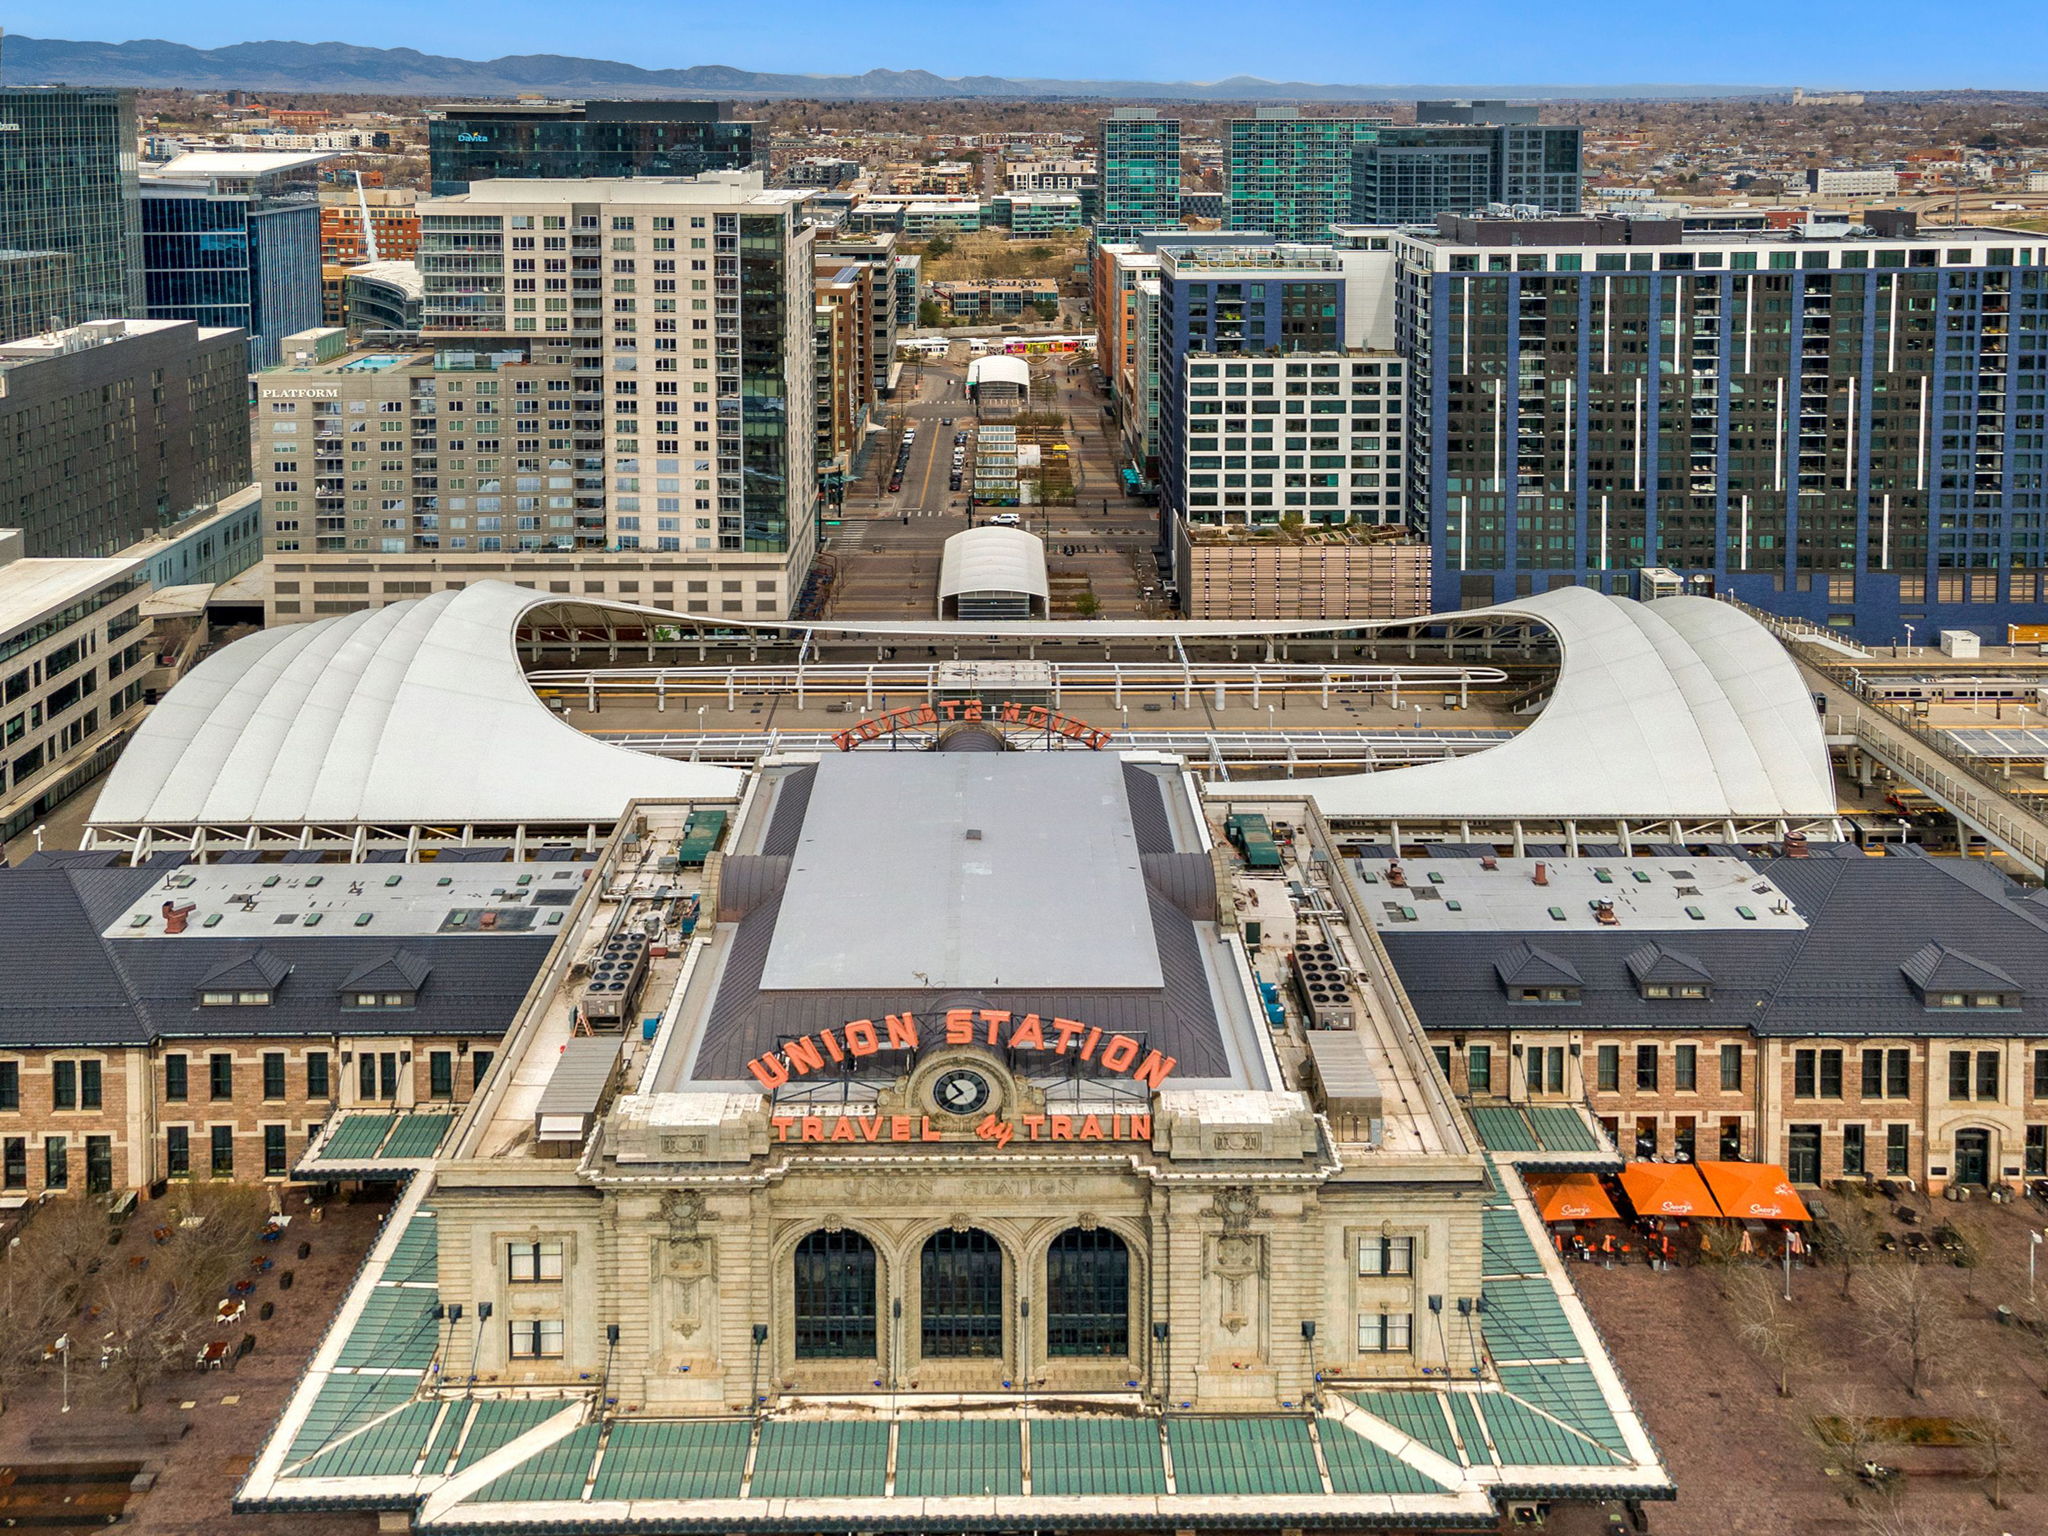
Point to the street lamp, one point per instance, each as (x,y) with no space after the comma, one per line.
(1909,639)
(2034,1240)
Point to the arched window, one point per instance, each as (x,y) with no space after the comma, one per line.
(1087,1294)
(962,1295)
(835,1296)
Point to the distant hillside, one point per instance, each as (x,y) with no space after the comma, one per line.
(346,67)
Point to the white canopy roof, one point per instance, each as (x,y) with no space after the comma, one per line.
(417,712)
(1683,707)
(993,560)
(1000,369)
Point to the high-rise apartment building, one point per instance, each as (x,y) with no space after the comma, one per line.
(233,239)
(562,141)
(70,224)
(391,234)
(1289,175)
(1410,175)
(1138,156)
(616,382)
(1280,394)
(118,429)
(876,254)
(1845,426)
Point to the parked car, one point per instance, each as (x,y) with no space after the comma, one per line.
(1006,520)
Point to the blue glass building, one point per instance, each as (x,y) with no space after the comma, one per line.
(234,239)
(70,229)
(1848,426)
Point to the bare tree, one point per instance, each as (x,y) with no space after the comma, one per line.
(1891,1518)
(1906,1314)
(1999,1444)
(1850,1243)
(1848,1433)
(1765,1323)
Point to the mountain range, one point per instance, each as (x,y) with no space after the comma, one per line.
(274,66)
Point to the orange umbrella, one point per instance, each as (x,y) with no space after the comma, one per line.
(1666,1189)
(1754,1191)
(1570,1197)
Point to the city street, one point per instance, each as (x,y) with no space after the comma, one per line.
(889,544)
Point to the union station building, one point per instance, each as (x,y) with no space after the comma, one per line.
(913,1140)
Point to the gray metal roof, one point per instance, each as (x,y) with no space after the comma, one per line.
(69,982)
(1842,975)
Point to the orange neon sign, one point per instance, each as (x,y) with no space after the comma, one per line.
(996,1027)
(1030,717)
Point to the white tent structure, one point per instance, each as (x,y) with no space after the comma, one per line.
(414,713)
(418,716)
(994,573)
(1681,709)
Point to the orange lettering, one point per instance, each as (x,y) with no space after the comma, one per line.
(902,1031)
(871,1126)
(1154,1069)
(1091,1129)
(1118,1055)
(1062,1127)
(992,1017)
(971,710)
(1065,1030)
(950,708)
(1036,716)
(899,1127)
(1072,729)
(861,1038)
(929,1133)
(843,740)
(803,1056)
(1033,1124)
(782,1123)
(1027,1035)
(842,1128)
(925,716)
(1011,711)
(831,1045)
(769,1071)
(959,1026)
(1088,1045)
(813,1128)
(1141,1127)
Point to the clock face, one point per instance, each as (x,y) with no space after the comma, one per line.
(960,1092)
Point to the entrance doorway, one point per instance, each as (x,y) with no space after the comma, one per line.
(1973,1157)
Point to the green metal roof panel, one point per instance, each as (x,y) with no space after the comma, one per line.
(656,1460)
(397,1327)
(1243,1455)
(959,1458)
(1503,1130)
(418,1136)
(816,1459)
(453,1425)
(357,1138)
(1525,1321)
(552,1475)
(1569,1392)
(1419,1415)
(417,1257)
(1358,1466)
(1088,1456)
(1561,1129)
(387,1448)
(1505,1248)
(347,1402)
(1525,1437)
(499,1422)
(1465,1419)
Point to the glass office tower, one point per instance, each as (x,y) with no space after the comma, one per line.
(70,224)
(565,141)
(1139,168)
(234,239)
(1410,175)
(1290,175)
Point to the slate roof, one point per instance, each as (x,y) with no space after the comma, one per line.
(1937,968)
(1657,963)
(1524,965)
(1843,976)
(66,985)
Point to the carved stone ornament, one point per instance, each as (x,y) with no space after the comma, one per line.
(682,1210)
(1089,1221)
(959,1221)
(1237,1207)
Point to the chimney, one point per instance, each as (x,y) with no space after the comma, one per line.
(1542,876)
(176,917)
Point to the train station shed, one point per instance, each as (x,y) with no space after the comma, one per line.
(994,573)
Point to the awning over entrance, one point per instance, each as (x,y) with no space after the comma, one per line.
(1570,1197)
(1667,1189)
(1754,1192)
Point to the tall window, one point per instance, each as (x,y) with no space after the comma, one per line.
(56,1162)
(834,1275)
(1898,1157)
(1646,1068)
(276,1162)
(316,1075)
(1087,1294)
(1607,1060)
(64,1085)
(1852,1150)
(1479,1069)
(441,1075)
(220,1076)
(223,1151)
(1731,1069)
(961,1290)
(10,1085)
(14,1156)
(176,1078)
(273,1074)
(178,1152)
(1685,1067)
(479,1066)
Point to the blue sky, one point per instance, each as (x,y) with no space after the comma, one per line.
(1879,44)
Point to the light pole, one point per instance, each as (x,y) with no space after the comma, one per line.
(2034,1239)
(63,1348)
(1909,639)
(1788,1266)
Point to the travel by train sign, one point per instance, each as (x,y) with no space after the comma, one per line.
(1010,713)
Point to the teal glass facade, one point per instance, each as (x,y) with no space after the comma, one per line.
(68,186)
